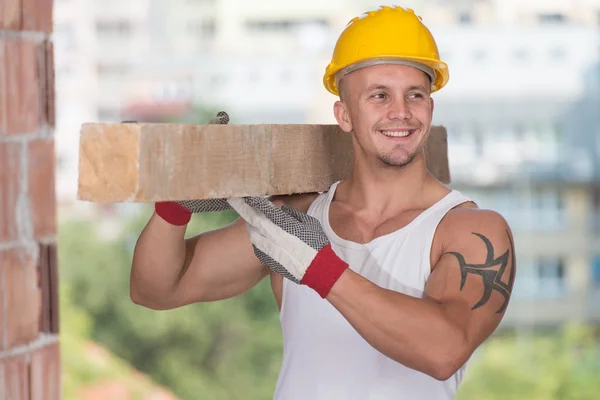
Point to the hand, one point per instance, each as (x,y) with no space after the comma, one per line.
(180,212)
(291,243)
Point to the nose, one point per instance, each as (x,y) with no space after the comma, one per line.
(399,110)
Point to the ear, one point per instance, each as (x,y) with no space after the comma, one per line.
(342,116)
(432,104)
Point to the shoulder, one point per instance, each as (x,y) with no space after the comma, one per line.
(469,217)
(300,202)
(481,233)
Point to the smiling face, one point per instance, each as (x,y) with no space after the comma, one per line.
(389,109)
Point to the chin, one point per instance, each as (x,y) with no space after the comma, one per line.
(398,161)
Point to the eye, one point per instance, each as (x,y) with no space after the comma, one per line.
(416,96)
(379,95)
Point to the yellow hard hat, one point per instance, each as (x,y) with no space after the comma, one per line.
(387,35)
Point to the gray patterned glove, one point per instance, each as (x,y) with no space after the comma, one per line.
(180,212)
(291,243)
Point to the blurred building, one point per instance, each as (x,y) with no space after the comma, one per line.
(521,106)
(524,140)
(515,13)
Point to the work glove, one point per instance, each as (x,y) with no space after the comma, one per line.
(180,212)
(291,243)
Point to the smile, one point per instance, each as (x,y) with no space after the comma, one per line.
(399,133)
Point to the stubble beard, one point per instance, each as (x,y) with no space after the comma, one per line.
(390,160)
(395,162)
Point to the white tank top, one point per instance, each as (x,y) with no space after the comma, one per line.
(324,358)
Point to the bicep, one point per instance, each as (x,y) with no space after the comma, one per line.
(219,264)
(474,277)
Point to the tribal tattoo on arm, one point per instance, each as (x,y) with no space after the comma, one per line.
(492,272)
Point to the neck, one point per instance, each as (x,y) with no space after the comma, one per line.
(378,189)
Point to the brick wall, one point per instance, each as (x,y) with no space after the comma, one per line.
(29,345)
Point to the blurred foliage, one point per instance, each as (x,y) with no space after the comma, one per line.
(563,365)
(232,349)
(88,370)
(220,350)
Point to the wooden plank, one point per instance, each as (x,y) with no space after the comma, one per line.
(143,162)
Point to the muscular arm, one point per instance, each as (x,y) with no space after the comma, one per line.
(464,301)
(169,271)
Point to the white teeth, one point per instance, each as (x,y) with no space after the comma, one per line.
(396,133)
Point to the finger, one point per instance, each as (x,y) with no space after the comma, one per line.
(272,212)
(274,256)
(292,211)
(273,265)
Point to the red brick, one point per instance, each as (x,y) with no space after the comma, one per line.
(45,373)
(14,378)
(42,194)
(10,187)
(37,15)
(22,298)
(22,86)
(11,14)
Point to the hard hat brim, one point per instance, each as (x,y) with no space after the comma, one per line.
(440,69)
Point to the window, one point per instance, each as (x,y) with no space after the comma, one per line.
(113,28)
(547,209)
(595,214)
(465,18)
(282,25)
(596,272)
(551,18)
(108,114)
(596,199)
(478,140)
(541,278)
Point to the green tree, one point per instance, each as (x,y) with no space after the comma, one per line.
(221,350)
(563,365)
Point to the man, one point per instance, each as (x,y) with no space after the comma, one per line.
(388,282)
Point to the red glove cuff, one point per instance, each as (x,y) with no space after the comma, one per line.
(172,212)
(324,271)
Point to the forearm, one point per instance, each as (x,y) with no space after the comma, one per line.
(414,332)
(158,261)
